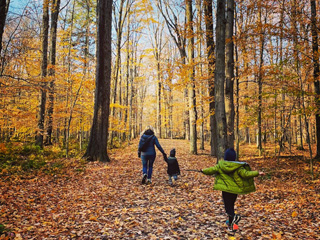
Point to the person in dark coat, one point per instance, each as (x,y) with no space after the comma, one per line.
(147,152)
(173,167)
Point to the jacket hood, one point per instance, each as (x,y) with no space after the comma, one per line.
(145,136)
(148,132)
(230,166)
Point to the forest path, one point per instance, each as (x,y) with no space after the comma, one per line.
(107,201)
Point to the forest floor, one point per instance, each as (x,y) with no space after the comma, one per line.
(107,200)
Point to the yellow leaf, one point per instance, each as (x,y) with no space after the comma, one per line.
(276,236)
(93,218)
(231,238)
(30,228)
(294,214)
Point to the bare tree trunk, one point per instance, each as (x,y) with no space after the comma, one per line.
(127,132)
(283,95)
(159,86)
(260,77)
(316,70)
(211,63)
(97,147)
(54,24)
(230,73)
(4,6)
(123,11)
(44,65)
(191,85)
(69,90)
(237,112)
(199,71)
(220,112)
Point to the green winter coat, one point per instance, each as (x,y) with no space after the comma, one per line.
(232,177)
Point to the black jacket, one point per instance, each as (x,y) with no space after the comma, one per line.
(173,166)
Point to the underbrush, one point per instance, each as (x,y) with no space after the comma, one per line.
(19,158)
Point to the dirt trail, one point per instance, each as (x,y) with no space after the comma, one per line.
(107,201)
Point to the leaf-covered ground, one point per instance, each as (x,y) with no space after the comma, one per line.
(107,201)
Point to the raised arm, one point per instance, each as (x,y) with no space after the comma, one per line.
(248,174)
(158,145)
(210,171)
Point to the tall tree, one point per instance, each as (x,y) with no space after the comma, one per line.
(199,71)
(211,63)
(55,9)
(4,6)
(97,147)
(219,78)
(157,46)
(230,73)
(316,70)
(122,13)
(44,65)
(191,84)
(178,34)
(261,29)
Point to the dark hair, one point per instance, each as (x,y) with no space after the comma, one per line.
(173,152)
(230,155)
(148,132)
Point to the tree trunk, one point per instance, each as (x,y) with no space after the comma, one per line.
(316,70)
(220,113)
(159,86)
(127,132)
(4,6)
(237,112)
(69,90)
(117,66)
(230,73)
(178,35)
(211,62)
(97,147)
(44,65)
(191,84)
(54,24)
(260,77)
(199,71)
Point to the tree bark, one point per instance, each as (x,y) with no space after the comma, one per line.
(199,71)
(97,147)
(260,77)
(220,113)
(44,65)
(54,24)
(191,84)
(211,63)
(4,6)
(230,73)
(316,71)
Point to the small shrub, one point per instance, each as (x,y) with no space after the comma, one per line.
(33,164)
(31,149)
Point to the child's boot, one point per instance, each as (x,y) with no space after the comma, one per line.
(236,219)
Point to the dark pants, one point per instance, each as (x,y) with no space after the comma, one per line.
(229,199)
(147,164)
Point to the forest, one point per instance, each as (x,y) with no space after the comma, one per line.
(80,81)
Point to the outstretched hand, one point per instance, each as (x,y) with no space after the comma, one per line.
(165,157)
(262,173)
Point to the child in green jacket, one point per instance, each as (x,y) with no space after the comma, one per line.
(232,178)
